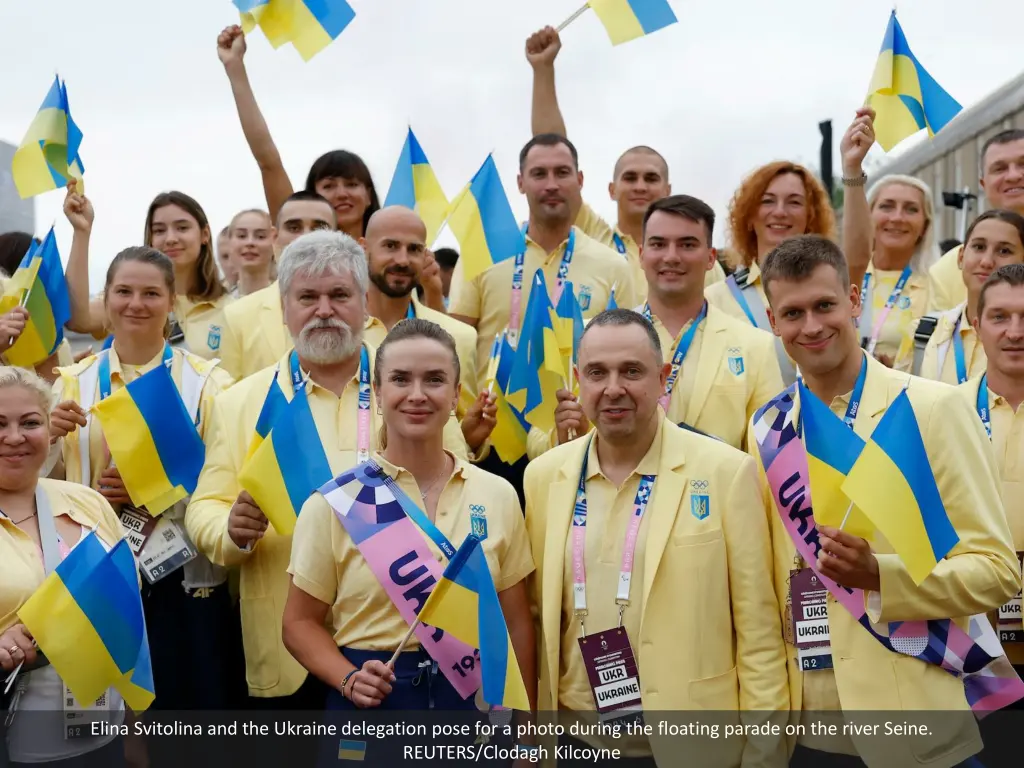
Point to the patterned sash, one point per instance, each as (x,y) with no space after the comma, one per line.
(975,656)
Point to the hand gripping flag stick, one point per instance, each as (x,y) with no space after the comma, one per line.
(575,16)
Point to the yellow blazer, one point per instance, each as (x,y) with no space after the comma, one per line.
(939,360)
(976,577)
(946,286)
(710,636)
(737,373)
(254,335)
(270,669)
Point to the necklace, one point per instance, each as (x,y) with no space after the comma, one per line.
(430,487)
(27,517)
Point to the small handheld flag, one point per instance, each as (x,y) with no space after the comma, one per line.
(274,404)
(906,99)
(538,371)
(87,618)
(626,20)
(152,440)
(39,286)
(482,220)
(48,157)
(309,25)
(416,186)
(465,604)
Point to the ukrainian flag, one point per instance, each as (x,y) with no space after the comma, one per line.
(612,303)
(508,438)
(832,448)
(627,20)
(48,156)
(289,465)
(87,618)
(39,285)
(538,371)
(415,186)
(274,405)
(152,440)
(904,96)
(568,325)
(309,25)
(482,220)
(465,604)
(893,483)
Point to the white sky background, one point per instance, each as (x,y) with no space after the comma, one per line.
(735,84)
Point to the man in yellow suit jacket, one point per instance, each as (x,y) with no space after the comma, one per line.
(254,333)
(813,306)
(683,516)
(323,278)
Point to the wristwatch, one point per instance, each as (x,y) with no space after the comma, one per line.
(856,181)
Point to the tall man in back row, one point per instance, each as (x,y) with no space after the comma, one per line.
(864,673)
(640,176)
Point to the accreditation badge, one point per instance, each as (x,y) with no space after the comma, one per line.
(1011,629)
(138,525)
(78,719)
(614,677)
(166,550)
(808,599)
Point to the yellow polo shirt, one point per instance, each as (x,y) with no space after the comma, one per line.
(21,564)
(67,387)
(594,270)
(465,345)
(909,308)
(593,225)
(946,286)
(940,346)
(202,323)
(609,510)
(327,565)
(270,669)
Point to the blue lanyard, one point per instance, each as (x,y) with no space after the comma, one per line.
(364,380)
(858,392)
(982,405)
(958,354)
(682,348)
(411,509)
(737,294)
(410,313)
(579,514)
(897,290)
(563,268)
(363,413)
(104,371)
(620,246)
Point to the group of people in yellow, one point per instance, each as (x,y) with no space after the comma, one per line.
(654,536)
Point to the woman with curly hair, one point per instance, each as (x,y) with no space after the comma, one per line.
(776,202)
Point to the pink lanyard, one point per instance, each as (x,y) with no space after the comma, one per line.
(579,537)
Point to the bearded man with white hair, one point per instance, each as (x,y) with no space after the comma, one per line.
(323,281)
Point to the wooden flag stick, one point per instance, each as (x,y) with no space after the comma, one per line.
(401,645)
(573,18)
(846,517)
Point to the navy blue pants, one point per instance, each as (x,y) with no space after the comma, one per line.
(419,687)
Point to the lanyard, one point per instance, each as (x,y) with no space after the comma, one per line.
(620,245)
(858,391)
(104,371)
(410,313)
(682,348)
(737,294)
(958,354)
(579,536)
(413,511)
(897,291)
(982,405)
(363,414)
(517,282)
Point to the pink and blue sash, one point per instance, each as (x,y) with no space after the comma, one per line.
(976,656)
(382,521)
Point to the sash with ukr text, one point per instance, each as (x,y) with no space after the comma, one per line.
(975,656)
(382,521)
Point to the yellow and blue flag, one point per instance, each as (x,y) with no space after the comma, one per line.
(274,404)
(48,157)
(627,20)
(351,750)
(906,99)
(39,285)
(465,604)
(832,448)
(567,320)
(152,440)
(537,372)
(416,186)
(87,618)
(309,25)
(892,482)
(288,466)
(508,438)
(482,220)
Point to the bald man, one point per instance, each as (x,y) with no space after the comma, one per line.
(396,252)
(640,176)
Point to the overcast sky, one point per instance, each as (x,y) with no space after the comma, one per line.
(733,85)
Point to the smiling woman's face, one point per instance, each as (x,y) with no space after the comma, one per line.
(24,437)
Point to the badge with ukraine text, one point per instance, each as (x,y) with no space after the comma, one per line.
(614,678)
(1011,629)
(809,603)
